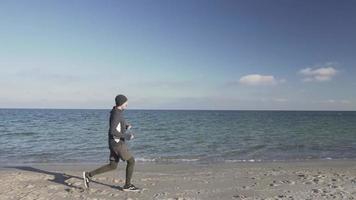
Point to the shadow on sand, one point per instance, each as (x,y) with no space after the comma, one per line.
(61,178)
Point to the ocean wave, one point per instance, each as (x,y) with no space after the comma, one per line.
(243,161)
(16,134)
(166,160)
(145,159)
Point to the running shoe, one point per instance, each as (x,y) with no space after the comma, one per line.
(131,188)
(86,179)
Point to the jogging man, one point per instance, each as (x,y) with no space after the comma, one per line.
(117,145)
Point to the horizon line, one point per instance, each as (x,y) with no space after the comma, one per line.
(177,109)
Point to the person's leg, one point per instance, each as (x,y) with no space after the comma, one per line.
(129,170)
(111,166)
(125,155)
(114,159)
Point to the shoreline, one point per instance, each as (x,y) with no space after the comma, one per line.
(329,179)
(187,163)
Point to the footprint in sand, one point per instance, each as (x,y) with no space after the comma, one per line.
(53,187)
(77,183)
(159,195)
(69,190)
(302,176)
(317,191)
(273,184)
(333,186)
(114,194)
(245,187)
(104,192)
(30,186)
(93,190)
(72,190)
(239,196)
(102,179)
(118,181)
(287,182)
(320,177)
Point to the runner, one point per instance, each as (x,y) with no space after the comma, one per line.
(117,145)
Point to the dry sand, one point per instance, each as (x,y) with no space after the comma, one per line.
(282,180)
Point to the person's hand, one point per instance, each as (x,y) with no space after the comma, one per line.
(128,126)
(132,136)
(129,136)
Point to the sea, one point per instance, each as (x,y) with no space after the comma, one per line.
(30,136)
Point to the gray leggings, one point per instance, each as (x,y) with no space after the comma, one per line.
(113,165)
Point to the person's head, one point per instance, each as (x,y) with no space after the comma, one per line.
(121,102)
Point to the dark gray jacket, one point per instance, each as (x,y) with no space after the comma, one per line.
(118,125)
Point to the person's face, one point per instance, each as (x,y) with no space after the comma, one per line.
(125,105)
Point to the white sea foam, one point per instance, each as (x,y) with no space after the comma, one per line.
(237,161)
(146,159)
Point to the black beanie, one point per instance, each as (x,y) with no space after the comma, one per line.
(120,99)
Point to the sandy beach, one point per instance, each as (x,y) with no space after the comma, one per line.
(278,180)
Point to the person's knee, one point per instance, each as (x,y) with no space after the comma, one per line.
(131,161)
(113,165)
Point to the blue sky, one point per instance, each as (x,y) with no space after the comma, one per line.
(256,54)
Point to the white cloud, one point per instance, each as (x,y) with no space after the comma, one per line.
(330,101)
(257,79)
(345,101)
(280,100)
(319,74)
(333,101)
